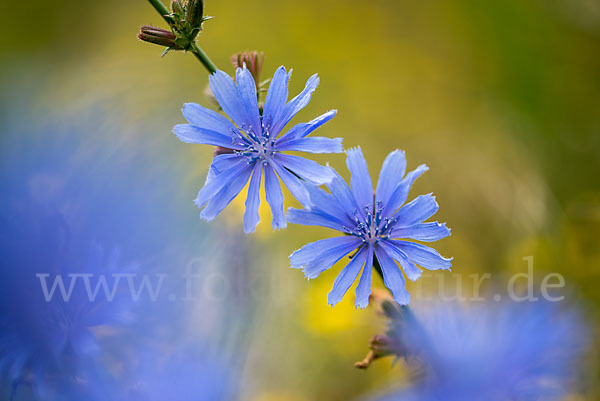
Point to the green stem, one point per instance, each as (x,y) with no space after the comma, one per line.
(198,52)
(203,58)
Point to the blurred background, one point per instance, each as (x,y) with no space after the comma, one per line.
(500,99)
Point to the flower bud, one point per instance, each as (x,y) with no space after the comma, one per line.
(254,62)
(177,8)
(194,10)
(158,36)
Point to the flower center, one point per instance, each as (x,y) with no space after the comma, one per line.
(371,227)
(257,146)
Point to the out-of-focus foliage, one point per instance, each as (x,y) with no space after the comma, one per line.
(500,99)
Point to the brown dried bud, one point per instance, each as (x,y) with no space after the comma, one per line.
(381,346)
(384,345)
(158,36)
(254,63)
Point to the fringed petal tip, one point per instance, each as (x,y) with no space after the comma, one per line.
(361,305)
(353,150)
(279,226)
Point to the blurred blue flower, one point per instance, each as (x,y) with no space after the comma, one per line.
(50,328)
(80,194)
(371,223)
(188,373)
(251,146)
(496,352)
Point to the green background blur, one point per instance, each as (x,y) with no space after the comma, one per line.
(501,99)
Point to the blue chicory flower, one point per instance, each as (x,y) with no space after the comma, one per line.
(251,145)
(372,224)
(496,352)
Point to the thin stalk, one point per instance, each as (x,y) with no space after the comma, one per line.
(203,58)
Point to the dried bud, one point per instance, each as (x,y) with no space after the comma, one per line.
(384,345)
(366,362)
(380,346)
(158,36)
(194,10)
(254,62)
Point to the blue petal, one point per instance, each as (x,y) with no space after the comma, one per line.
(329,257)
(274,198)
(347,276)
(214,185)
(313,218)
(422,231)
(228,96)
(251,215)
(342,193)
(221,163)
(361,184)
(363,289)
(220,200)
(410,269)
(392,276)
(295,105)
(306,169)
(208,119)
(423,255)
(400,194)
(309,252)
(224,162)
(293,184)
(301,130)
(390,176)
(276,98)
(322,201)
(313,145)
(247,90)
(418,210)
(192,134)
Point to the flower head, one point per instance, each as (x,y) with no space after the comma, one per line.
(504,351)
(255,147)
(373,225)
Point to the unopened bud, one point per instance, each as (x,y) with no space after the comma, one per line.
(177,8)
(194,10)
(254,63)
(158,36)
